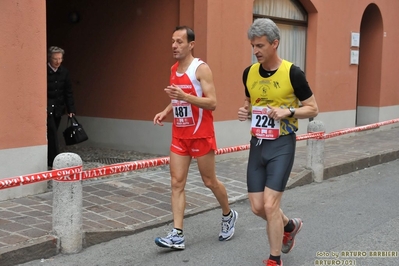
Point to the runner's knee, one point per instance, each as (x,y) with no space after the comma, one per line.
(271,207)
(178,184)
(210,182)
(257,208)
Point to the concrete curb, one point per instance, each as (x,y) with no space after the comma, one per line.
(360,163)
(41,247)
(306,176)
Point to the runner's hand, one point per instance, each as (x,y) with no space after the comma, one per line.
(159,118)
(243,113)
(278,113)
(176,93)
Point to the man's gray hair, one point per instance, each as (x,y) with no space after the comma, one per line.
(264,27)
(54,49)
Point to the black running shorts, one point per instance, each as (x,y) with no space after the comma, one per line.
(270,163)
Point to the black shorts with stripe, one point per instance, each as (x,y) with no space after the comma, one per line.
(270,163)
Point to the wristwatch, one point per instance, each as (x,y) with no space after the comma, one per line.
(292,110)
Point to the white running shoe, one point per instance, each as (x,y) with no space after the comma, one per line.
(172,240)
(228,226)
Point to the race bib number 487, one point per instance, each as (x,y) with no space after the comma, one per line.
(262,126)
(182,114)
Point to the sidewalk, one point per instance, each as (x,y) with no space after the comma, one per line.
(128,203)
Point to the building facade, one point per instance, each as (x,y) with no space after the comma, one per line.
(119,57)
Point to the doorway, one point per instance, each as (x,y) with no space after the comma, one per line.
(369,69)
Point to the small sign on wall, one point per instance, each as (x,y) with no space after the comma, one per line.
(354,57)
(355,39)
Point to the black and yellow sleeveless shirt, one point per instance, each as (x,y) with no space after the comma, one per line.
(275,90)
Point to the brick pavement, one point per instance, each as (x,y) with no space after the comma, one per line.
(127,203)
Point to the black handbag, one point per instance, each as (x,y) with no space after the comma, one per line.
(74,133)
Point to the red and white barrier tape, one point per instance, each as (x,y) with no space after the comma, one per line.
(76,173)
(122,167)
(358,129)
(247,146)
(312,135)
(232,149)
(61,174)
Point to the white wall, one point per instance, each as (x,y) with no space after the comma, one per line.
(22,161)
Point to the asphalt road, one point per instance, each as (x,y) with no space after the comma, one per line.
(347,220)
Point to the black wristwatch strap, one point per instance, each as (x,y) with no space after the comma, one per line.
(292,110)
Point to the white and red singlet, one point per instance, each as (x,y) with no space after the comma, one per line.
(190,121)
